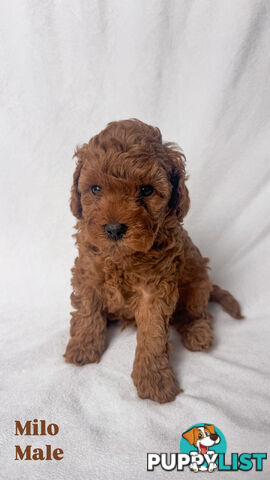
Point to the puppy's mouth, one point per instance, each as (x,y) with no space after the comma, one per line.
(203,448)
(130,241)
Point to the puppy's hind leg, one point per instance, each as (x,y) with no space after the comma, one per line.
(196,333)
(195,289)
(193,321)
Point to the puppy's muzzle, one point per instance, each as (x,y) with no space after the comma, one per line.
(115,231)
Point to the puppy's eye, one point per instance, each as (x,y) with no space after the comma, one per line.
(200,435)
(95,189)
(207,433)
(146,190)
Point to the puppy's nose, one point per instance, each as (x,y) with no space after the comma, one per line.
(214,436)
(115,231)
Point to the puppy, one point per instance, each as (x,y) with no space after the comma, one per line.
(202,438)
(136,262)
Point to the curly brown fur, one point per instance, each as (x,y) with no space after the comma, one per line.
(153,275)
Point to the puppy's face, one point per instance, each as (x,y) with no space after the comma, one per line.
(124,202)
(202,437)
(124,196)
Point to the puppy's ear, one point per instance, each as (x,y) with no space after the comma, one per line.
(189,436)
(75,200)
(179,201)
(211,428)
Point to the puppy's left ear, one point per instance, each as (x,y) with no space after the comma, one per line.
(75,199)
(179,201)
(189,436)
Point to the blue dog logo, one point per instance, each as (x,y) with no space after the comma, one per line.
(204,438)
(202,449)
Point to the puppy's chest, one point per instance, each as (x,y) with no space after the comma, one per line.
(124,287)
(119,288)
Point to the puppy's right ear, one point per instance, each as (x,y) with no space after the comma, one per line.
(189,436)
(75,200)
(211,428)
(179,201)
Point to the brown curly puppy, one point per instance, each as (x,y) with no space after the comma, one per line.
(136,262)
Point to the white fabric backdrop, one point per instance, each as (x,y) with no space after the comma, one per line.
(200,71)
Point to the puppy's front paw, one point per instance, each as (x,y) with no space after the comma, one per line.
(160,385)
(81,353)
(212,467)
(198,335)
